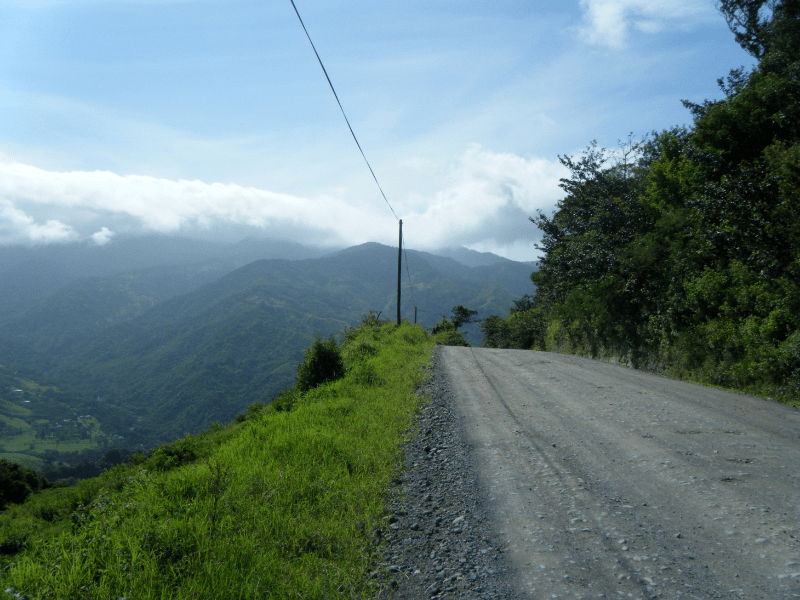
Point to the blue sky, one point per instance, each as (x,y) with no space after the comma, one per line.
(213,118)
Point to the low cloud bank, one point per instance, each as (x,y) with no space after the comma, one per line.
(484,200)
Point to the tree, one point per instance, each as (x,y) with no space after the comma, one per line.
(462,316)
(760,26)
(322,362)
(18,482)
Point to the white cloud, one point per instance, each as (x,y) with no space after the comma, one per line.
(608,22)
(486,198)
(488,201)
(102,237)
(16,227)
(171,206)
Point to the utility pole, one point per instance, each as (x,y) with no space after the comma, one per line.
(399,268)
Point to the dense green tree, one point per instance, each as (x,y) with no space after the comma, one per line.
(322,361)
(462,316)
(18,482)
(761,26)
(685,253)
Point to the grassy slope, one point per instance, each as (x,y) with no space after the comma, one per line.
(280,505)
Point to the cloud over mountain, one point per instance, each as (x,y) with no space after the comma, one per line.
(484,197)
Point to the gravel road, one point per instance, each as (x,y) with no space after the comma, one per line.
(539,475)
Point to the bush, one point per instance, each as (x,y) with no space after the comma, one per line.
(18,482)
(523,329)
(445,334)
(322,362)
(174,454)
(13,543)
(285,400)
(252,410)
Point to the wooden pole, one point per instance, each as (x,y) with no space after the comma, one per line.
(399,268)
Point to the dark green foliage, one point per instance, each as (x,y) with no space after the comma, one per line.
(322,362)
(285,400)
(88,463)
(174,454)
(13,543)
(254,409)
(523,329)
(763,26)
(445,334)
(18,482)
(462,316)
(684,256)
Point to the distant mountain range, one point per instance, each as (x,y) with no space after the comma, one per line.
(31,273)
(160,351)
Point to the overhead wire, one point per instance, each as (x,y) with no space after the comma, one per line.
(408,273)
(330,83)
(364,156)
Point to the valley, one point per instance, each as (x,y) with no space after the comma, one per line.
(158,352)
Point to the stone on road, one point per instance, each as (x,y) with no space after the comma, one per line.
(607,482)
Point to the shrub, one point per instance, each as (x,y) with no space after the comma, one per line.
(252,410)
(18,482)
(13,543)
(322,362)
(445,334)
(524,329)
(174,454)
(285,400)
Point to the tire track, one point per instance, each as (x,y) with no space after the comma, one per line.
(605,480)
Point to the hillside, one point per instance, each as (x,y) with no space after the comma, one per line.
(152,369)
(278,504)
(30,274)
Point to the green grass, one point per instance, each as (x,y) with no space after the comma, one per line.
(14,421)
(279,505)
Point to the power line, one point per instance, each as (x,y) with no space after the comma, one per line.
(335,95)
(330,83)
(408,274)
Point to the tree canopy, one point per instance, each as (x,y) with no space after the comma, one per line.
(682,252)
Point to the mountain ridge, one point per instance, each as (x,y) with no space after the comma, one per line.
(202,356)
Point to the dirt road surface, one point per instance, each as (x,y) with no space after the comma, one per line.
(606,482)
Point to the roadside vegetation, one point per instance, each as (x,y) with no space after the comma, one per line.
(680,253)
(284,502)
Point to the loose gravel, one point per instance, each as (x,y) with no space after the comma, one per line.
(438,540)
(535,475)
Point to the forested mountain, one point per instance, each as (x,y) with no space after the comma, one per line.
(473,258)
(682,254)
(483,268)
(30,274)
(149,363)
